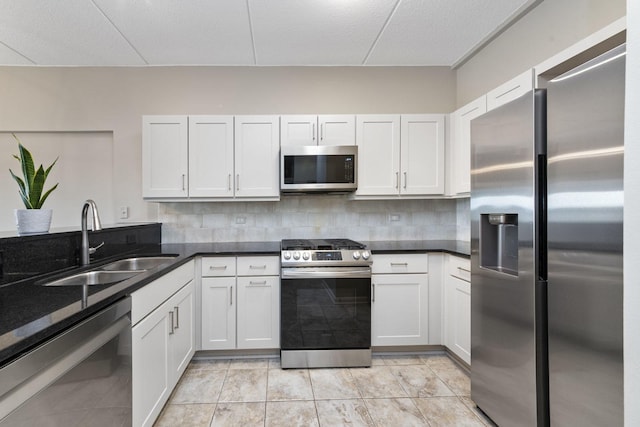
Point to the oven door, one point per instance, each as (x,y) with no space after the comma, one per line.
(325,308)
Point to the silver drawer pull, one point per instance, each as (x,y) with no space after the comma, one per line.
(177,317)
(260,283)
(172,328)
(231,296)
(217,267)
(399,264)
(464,269)
(258,267)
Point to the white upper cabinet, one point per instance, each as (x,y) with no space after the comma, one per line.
(257,156)
(164,156)
(422,154)
(459,153)
(210,156)
(400,155)
(304,130)
(510,90)
(378,141)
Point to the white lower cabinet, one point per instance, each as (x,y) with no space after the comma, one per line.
(240,302)
(457,307)
(163,340)
(400,300)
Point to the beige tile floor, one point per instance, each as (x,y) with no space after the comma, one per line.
(408,390)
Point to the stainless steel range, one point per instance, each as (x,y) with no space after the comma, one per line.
(325,304)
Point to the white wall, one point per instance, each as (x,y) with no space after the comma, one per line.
(631,224)
(549,28)
(77,180)
(113,99)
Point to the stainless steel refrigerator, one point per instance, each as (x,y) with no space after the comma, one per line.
(546,252)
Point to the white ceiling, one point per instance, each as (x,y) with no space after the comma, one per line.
(249,32)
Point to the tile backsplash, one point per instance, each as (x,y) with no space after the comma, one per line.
(319,216)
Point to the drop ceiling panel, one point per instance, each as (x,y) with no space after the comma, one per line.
(437,32)
(9,57)
(73,32)
(196,32)
(311,32)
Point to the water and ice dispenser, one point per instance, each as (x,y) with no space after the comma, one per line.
(499,242)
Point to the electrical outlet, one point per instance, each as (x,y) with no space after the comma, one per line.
(241,220)
(394,217)
(124,212)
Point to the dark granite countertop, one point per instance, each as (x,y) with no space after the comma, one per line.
(31,313)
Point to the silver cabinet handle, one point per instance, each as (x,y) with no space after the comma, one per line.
(258,267)
(373,292)
(397,179)
(172,329)
(177,317)
(464,269)
(231,296)
(237,182)
(229,182)
(184,185)
(399,264)
(321,131)
(405,180)
(313,131)
(217,267)
(260,283)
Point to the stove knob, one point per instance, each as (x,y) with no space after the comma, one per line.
(356,255)
(296,255)
(305,256)
(286,255)
(366,255)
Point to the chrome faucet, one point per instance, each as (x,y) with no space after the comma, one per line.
(85,250)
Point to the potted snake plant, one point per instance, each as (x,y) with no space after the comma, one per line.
(33,219)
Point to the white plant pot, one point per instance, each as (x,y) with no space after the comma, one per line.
(33,221)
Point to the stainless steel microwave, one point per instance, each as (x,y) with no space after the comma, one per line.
(318,168)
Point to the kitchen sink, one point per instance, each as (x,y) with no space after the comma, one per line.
(138,263)
(93,278)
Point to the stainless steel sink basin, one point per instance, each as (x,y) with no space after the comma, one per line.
(137,264)
(93,278)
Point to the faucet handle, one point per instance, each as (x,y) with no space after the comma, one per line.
(93,250)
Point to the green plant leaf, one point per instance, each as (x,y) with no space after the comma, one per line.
(31,185)
(36,188)
(47,195)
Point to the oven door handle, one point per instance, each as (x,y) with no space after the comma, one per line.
(326,272)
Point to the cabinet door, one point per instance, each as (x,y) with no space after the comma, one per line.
(510,90)
(337,130)
(259,312)
(257,156)
(422,154)
(298,130)
(151,382)
(218,313)
(461,145)
(378,140)
(210,156)
(164,156)
(182,337)
(399,309)
(458,317)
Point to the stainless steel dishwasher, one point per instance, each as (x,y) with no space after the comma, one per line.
(80,377)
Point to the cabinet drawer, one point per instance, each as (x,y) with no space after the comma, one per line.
(400,263)
(460,268)
(259,266)
(219,266)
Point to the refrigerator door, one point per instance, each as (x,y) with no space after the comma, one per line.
(503,261)
(585,206)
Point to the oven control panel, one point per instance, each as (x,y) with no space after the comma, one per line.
(335,257)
